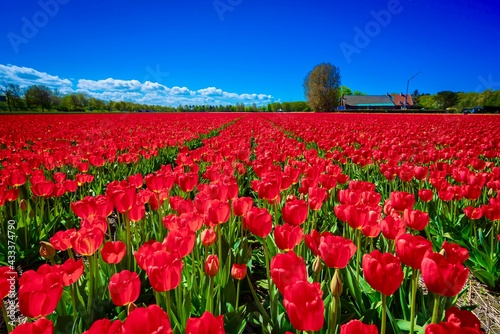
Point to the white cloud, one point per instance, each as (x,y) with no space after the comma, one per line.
(25,76)
(130,90)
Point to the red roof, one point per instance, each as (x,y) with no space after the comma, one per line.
(399,100)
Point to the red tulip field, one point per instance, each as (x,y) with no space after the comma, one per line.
(247,223)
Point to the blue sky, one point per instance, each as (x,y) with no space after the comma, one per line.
(251,51)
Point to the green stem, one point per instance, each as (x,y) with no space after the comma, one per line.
(358,255)
(269,286)
(414,285)
(73,301)
(169,304)
(6,318)
(129,246)
(237,295)
(210,302)
(90,309)
(435,311)
(384,316)
(263,312)
(335,306)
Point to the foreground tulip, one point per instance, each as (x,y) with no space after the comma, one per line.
(445,277)
(165,271)
(211,266)
(336,251)
(41,326)
(383,272)
(39,292)
(241,205)
(287,269)
(295,212)
(206,324)
(287,236)
(258,221)
(113,252)
(239,271)
(304,305)
(86,242)
(412,249)
(71,271)
(105,326)
(124,287)
(150,320)
(416,219)
(357,327)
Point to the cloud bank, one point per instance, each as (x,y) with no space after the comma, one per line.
(129,90)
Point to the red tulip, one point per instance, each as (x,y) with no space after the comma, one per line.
(401,200)
(206,324)
(41,326)
(473,213)
(150,320)
(463,318)
(382,271)
(137,212)
(208,237)
(241,205)
(412,249)
(357,327)
(187,182)
(455,251)
(39,292)
(336,251)
(43,189)
(258,221)
(294,212)
(287,236)
(218,212)
(135,180)
(312,241)
(238,271)
(61,240)
(124,287)
(416,219)
(304,305)
(442,276)
(71,271)
(7,279)
(87,241)
(287,269)
(113,251)
(180,242)
(165,271)
(211,266)
(105,326)
(123,199)
(17,178)
(392,227)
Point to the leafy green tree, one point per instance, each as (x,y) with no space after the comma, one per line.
(38,95)
(446,99)
(322,87)
(344,90)
(359,93)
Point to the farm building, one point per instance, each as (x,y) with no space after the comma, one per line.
(387,101)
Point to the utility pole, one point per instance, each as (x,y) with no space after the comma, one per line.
(408,86)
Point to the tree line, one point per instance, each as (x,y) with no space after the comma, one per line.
(457,100)
(43,98)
